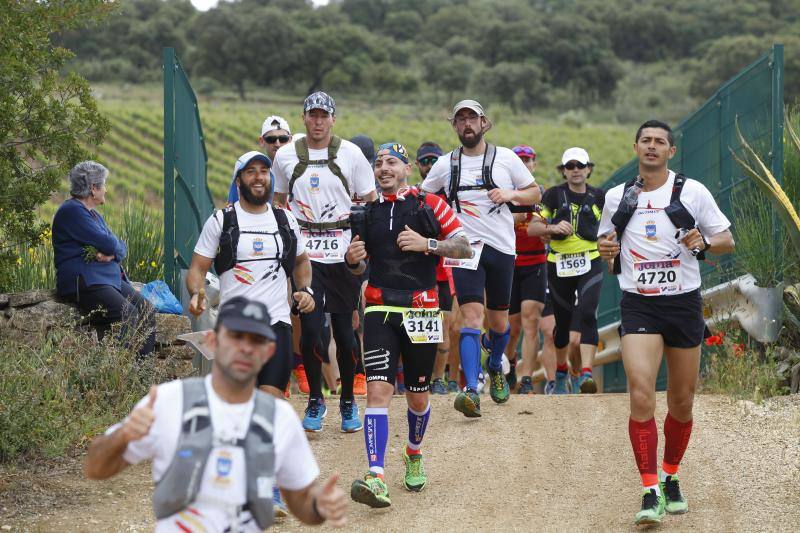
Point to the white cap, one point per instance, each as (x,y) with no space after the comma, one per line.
(274,122)
(468,104)
(575,154)
(245,160)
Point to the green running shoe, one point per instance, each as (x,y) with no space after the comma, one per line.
(415,479)
(675,502)
(652,508)
(498,386)
(468,403)
(370,491)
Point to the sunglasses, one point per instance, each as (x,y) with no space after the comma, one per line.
(573,166)
(425,161)
(272,139)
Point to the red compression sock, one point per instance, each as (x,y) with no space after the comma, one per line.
(676,439)
(644,440)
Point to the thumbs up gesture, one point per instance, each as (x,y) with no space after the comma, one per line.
(332,502)
(608,246)
(138,423)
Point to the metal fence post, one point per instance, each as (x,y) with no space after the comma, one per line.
(169,169)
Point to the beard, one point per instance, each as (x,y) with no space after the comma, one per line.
(251,198)
(471,142)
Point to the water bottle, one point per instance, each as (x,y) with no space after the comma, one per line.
(631,197)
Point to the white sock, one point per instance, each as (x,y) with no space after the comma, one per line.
(656,488)
(662,476)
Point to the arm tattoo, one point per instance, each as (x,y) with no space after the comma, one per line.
(456,247)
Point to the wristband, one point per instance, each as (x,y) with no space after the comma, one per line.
(351,266)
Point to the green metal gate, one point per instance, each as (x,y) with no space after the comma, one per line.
(187,200)
(704,141)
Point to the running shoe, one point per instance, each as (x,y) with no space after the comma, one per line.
(277,504)
(360,385)
(675,502)
(438,386)
(525,385)
(511,377)
(452,386)
(370,491)
(315,412)
(562,384)
(498,386)
(415,479)
(652,508)
(350,419)
(575,383)
(468,403)
(302,379)
(587,384)
(550,388)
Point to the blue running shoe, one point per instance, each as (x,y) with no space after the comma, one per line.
(350,419)
(562,384)
(575,383)
(452,386)
(315,412)
(438,386)
(549,388)
(277,504)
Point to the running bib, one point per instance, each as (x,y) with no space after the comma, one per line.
(571,265)
(662,276)
(469,264)
(423,325)
(325,244)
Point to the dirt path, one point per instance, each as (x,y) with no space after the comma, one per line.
(543,463)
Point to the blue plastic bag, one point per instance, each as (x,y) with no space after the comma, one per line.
(158,293)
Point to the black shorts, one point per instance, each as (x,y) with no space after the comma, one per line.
(385,341)
(530,283)
(677,318)
(334,285)
(279,368)
(493,276)
(445,296)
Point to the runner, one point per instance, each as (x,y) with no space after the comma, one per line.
(402,234)
(240,441)
(655,229)
(480,179)
(275,133)
(573,209)
(319,173)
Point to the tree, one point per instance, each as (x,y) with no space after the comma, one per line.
(45,118)
(520,85)
(448,73)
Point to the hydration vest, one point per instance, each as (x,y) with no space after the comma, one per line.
(303,161)
(677,213)
(397,273)
(587,222)
(229,242)
(180,484)
(486,176)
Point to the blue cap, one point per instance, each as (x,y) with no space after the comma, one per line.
(428,150)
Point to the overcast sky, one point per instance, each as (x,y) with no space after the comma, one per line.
(204,5)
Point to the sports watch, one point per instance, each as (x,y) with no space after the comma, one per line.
(309,290)
(433,244)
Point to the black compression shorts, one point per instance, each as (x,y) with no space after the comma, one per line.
(530,283)
(677,318)
(445,296)
(336,286)
(279,368)
(493,276)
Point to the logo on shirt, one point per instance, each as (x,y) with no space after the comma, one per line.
(650,230)
(314,180)
(258,246)
(242,274)
(469,208)
(224,468)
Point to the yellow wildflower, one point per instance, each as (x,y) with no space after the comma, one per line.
(153,264)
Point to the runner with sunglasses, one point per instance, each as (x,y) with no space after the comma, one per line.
(275,133)
(573,209)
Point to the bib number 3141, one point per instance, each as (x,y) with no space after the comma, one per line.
(423,325)
(571,265)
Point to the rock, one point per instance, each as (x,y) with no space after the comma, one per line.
(42,316)
(169,369)
(177,352)
(22,299)
(3,301)
(168,327)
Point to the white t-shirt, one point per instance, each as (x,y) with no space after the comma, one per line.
(653,261)
(261,280)
(318,195)
(482,219)
(224,475)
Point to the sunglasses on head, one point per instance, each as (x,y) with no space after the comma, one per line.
(425,161)
(573,166)
(272,139)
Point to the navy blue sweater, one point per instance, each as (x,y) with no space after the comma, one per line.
(75,226)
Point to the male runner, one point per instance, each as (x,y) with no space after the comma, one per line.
(403,235)
(319,174)
(573,209)
(218,444)
(275,133)
(655,229)
(480,179)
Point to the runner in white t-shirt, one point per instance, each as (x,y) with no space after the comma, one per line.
(319,191)
(661,307)
(243,341)
(487,221)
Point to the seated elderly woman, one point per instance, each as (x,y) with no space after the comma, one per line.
(87,257)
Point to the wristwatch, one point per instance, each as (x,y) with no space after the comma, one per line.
(706,243)
(309,290)
(433,244)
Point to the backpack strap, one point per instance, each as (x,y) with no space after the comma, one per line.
(301,149)
(455,178)
(333,149)
(303,161)
(677,187)
(228,241)
(488,162)
(287,257)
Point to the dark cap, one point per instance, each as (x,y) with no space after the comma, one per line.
(245,316)
(367,146)
(428,149)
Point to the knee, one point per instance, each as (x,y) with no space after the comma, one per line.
(417,402)
(680,406)
(643,400)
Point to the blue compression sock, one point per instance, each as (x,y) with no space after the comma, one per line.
(376,435)
(470,356)
(497,343)
(417,423)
